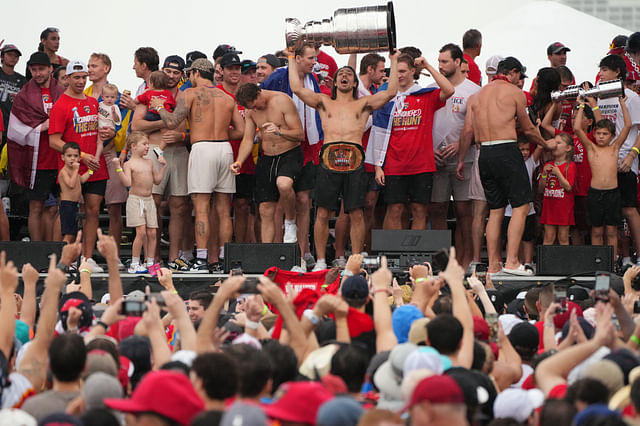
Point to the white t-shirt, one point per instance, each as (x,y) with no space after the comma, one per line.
(448,121)
(610,108)
(107,116)
(531,165)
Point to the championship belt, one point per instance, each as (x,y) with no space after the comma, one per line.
(342,157)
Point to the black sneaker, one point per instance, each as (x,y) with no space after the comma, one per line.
(178,265)
(216,268)
(199,267)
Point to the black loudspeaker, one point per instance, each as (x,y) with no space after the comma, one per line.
(256,258)
(413,241)
(573,260)
(36,253)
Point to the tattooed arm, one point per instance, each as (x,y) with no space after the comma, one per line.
(173,120)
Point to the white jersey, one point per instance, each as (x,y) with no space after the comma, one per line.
(448,121)
(610,108)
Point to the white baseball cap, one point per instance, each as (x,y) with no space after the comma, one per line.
(491,67)
(76,66)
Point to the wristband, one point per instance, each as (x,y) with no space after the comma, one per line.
(119,170)
(380,290)
(62,267)
(595,108)
(635,148)
(347,273)
(544,176)
(252,325)
(160,108)
(123,152)
(184,136)
(81,155)
(103,325)
(174,291)
(311,316)
(420,280)
(90,172)
(87,270)
(265,310)
(635,339)
(290,57)
(550,325)
(581,106)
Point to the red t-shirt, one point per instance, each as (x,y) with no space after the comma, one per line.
(410,149)
(1,122)
(77,120)
(474,71)
(47,156)
(248,167)
(557,206)
(564,122)
(583,170)
(165,95)
(327,63)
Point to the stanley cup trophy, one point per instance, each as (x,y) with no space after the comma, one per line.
(604,90)
(354,30)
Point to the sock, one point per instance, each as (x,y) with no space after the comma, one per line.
(221,255)
(202,254)
(307,255)
(289,222)
(135,261)
(180,254)
(150,261)
(187,255)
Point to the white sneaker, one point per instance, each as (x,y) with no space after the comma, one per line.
(321,265)
(95,268)
(299,269)
(290,233)
(309,261)
(137,269)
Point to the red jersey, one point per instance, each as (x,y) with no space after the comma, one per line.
(564,122)
(47,156)
(410,149)
(557,206)
(77,120)
(248,167)
(1,122)
(474,71)
(583,170)
(165,95)
(327,64)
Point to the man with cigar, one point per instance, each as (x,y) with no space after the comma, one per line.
(210,112)
(275,114)
(341,172)
(491,121)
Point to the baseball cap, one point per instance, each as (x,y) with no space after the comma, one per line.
(388,377)
(355,287)
(193,55)
(557,47)
(298,402)
(401,320)
(10,48)
(491,66)
(99,386)
(425,357)
(481,328)
(76,66)
(39,58)
(517,403)
(524,335)
(577,293)
(437,389)
(222,49)
(618,44)
(175,62)
(248,65)
(271,59)
(201,64)
(606,372)
(100,361)
(230,59)
(167,393)
(510,63)
(242,413)
(418,331)
(340,411)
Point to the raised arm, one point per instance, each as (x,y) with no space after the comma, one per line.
(109,250)
(582,136)
(8,284)
(546,125)
(381,281)
(308,96)
(526,126)
(177,309)
(446,88)
(379,99)
(29,304)
(210,321)
(180,113)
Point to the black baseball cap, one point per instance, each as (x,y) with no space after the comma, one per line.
(557,47)
(39,58)
(10,48)
(224,48)
(175,62)
(230,59)
(510,63)
(271,59)
(193,55)
(248,65)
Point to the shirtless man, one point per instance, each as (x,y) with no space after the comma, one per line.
(210,112)
(277,117)
(342,171)
(491,121)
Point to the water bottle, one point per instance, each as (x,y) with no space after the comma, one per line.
(6,204)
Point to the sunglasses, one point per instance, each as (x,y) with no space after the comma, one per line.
(52,30)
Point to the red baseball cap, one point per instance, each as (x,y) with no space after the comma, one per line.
(480,329)
(166,393)
(437,389)
(298,402)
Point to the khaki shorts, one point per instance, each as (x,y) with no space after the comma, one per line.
(141,211)
(209,168)
(476,191)
(174,181)
(446,183)
(116,192)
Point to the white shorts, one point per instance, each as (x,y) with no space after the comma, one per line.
(174,180)
(446,183)
(476,191)
(209,168)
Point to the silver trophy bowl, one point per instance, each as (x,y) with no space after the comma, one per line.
(603,90)
(354,30)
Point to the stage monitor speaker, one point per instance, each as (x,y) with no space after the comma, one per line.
(573,260)
(414,241)
(36,252)
(256,258)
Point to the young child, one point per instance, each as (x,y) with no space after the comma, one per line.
(558,178)
(108,112)
(139,174)
(603,199)
(158,88)
(70,190)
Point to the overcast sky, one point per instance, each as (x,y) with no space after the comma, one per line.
(257,27)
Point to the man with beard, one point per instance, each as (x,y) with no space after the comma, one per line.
(344,117)
(174,181)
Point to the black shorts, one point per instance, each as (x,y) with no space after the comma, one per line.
(307,179)
(530,228)
(373,185)
(603,207)
(245,185)
(628,187)
(44,185)
(504,176)
(68,217)
(580,212)
(269,168)
(331,186)
(97,187)
(415,188)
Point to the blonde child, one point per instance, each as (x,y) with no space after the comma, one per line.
(140,175)
(108,112)
(70,190)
